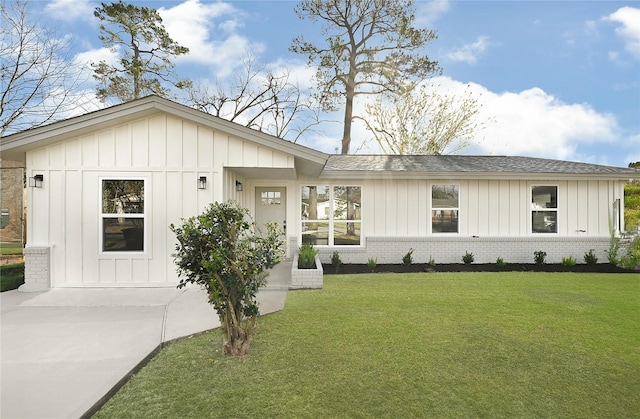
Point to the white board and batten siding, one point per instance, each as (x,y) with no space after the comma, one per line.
(170,154)
(496,208)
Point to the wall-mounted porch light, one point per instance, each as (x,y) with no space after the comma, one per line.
(202,182)
(36,181)
(238,186)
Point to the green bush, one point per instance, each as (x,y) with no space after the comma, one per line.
(570,261)
(539,257)
(222,251)
(372,263)
(407,259)
(590,257)
(612,252)
(468,258)
(11,276)
(431,262)
(501,262)
(307,257)
(335,260)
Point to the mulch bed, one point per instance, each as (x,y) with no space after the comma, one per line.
(356,268)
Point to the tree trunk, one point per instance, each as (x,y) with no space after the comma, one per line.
(348,118)
(350,93)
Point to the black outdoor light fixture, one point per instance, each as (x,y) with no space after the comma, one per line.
(36,181)
(238,186)
(202,182)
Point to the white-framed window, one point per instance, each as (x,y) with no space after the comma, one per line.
(445,208)
(544,209)
(331,215)
(122,215)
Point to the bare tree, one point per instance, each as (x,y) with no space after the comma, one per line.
(424,121)
(372,47)
(38,83)
(260,99)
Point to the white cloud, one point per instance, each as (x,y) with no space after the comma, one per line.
(629,29)
(428,12)
(535,123)
(70,10)
(209,31)
(469,53)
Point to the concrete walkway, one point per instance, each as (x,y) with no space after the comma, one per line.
(63,351)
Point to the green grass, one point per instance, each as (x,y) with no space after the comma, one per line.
(10,248)
(415,345)
(11,276)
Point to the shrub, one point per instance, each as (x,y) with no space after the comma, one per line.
(570,261)
(590,258)
(632,259)
(431,262)
(335,259)
(468,258)
(221,251)
(500,262)
(539,257)
(612,252)
(372,263)
(307,257)
(407,259)
(11,276)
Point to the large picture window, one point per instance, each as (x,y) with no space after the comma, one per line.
(444,208)
(544,209)
(123,215)
(331,215)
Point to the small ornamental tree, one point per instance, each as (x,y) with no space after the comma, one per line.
(222,250)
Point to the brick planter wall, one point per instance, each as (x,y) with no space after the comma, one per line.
(37,269)
(306,278)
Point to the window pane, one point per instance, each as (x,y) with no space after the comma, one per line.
(444,221)
(315,233)
(544,221)
(123,196)
(122,234)
(270,198)
(315,203)
(444,196)
(346,203)
(346,234)
(544,197)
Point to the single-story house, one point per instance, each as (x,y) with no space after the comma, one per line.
(105,186)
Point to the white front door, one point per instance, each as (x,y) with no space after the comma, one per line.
(271,206)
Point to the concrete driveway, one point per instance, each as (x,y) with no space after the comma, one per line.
(63,351)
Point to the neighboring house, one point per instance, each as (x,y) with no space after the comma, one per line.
(108,184)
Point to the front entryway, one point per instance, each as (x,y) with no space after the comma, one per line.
(271,206)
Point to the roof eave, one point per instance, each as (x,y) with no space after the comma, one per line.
(409,175)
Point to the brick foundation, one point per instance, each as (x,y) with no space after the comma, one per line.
(484,249)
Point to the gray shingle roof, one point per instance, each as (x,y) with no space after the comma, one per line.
(467,164)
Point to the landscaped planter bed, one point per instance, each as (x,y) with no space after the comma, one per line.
(474,267)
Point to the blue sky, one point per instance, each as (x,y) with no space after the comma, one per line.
(560,79)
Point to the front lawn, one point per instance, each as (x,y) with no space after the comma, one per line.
(514,344)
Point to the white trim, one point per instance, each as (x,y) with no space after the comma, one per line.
(531,209)
(330,220)
(431,209)
(147,245)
